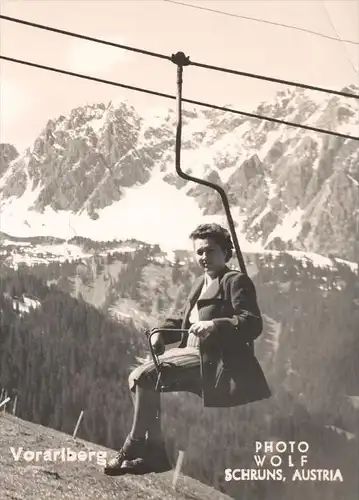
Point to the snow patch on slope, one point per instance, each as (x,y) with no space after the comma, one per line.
(155,212)
(316,259)
(290,227)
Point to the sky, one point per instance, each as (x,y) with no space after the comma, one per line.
(29,97)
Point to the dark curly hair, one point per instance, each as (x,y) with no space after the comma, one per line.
(218,233)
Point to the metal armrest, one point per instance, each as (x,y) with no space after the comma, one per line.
(157,363)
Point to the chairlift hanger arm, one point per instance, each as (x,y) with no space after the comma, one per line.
(181,60)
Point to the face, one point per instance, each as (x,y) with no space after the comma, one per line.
(209,255)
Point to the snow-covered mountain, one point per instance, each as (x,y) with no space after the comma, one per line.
(104,172)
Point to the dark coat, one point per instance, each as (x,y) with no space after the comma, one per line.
(231,374)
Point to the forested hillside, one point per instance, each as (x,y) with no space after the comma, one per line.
(65,355)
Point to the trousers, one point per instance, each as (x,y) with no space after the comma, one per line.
(181,372)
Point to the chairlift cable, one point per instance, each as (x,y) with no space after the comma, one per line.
(261,21)
(189,101)
(163,56)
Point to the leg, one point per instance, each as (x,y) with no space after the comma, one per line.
(139,455)
(182,371)
(147,414)
(133,456)
(146,402)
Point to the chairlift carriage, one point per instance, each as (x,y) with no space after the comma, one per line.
(181,60)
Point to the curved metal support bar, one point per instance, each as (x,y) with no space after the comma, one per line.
(160,330)
(156,361)
(180,59)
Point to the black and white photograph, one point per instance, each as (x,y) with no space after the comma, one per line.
(179,249)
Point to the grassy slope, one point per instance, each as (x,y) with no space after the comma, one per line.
(81,480)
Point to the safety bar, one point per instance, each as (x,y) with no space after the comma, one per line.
(158,364)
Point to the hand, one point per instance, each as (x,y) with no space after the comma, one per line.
(202,328)
(158,343)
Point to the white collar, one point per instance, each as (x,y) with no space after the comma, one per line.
(207,280)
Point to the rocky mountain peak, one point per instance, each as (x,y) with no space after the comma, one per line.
(282,180)
(8,153)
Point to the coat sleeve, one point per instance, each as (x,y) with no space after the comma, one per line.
(246,319)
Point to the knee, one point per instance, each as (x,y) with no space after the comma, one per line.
(137,377)
(132,378)
(142,376)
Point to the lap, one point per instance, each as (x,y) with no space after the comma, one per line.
(181,371)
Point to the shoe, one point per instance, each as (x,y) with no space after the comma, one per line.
(155,459)
(152,463)
(135,466)
(132,449)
